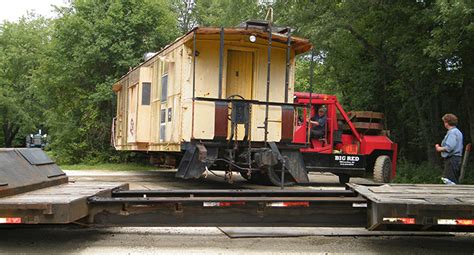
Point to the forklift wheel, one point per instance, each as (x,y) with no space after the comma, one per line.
(382,169)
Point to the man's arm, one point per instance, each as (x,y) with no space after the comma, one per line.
(450,143)
(439,148)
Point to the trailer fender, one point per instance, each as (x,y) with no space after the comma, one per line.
(293,161)
(24,169)
(192,164)
(295,165)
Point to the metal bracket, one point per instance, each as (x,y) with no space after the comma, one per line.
(280,157)
(202,152)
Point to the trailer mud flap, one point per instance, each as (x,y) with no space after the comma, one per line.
(192,165)
(23,170)
(294,163)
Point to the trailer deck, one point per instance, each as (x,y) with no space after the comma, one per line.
(419,207)
(376,207)
(61,204)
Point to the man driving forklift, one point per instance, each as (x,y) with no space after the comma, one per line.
(318,122)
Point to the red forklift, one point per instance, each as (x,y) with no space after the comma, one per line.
(354,144)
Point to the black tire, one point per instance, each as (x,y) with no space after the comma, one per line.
(382,169)
(344,178)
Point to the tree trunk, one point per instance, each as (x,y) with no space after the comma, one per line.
(468,85)
(423,127)
(10,131)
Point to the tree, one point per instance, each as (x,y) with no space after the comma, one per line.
(379,55)
(184,9)
(93,44)
(452,45)
(227,13)
(22,45)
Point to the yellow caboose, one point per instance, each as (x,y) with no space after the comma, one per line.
(217,97)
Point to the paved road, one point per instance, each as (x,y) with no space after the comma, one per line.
(214,240)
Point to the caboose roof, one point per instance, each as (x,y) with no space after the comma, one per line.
(298,44)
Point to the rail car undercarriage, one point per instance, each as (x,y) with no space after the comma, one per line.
(288,161)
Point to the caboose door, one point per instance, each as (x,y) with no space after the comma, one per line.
(132,113)
(239,73)
(239,81)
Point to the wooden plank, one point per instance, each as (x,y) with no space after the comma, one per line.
(431,194)
(421,191)
(58,204)
(420,187)
(368,125)
(366,114)
(424,195)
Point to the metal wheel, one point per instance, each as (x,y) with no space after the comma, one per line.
(382,169)
(273,176)
(255,177)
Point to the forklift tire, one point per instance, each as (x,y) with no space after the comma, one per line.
(382,169)
(344,178)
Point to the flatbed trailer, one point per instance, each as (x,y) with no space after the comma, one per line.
(414,207)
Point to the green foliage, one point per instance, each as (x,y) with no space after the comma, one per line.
(411,60)
(109,166)
(303,73)
(227,12)
(425,172)
(93,44)
(21,48)
(469,175)
(401,58)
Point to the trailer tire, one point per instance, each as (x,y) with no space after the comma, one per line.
(382,169)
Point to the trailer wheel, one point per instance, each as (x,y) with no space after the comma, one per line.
(344,178)
(382,169)
(274,177)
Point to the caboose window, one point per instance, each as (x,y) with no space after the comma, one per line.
(146,89)
(164,81)
(164,87)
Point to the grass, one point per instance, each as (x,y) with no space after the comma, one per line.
(426,173)
(109,166)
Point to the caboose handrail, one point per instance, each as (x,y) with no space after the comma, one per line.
(212,99)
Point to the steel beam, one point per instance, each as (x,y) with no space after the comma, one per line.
(234,193)
(230,211)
